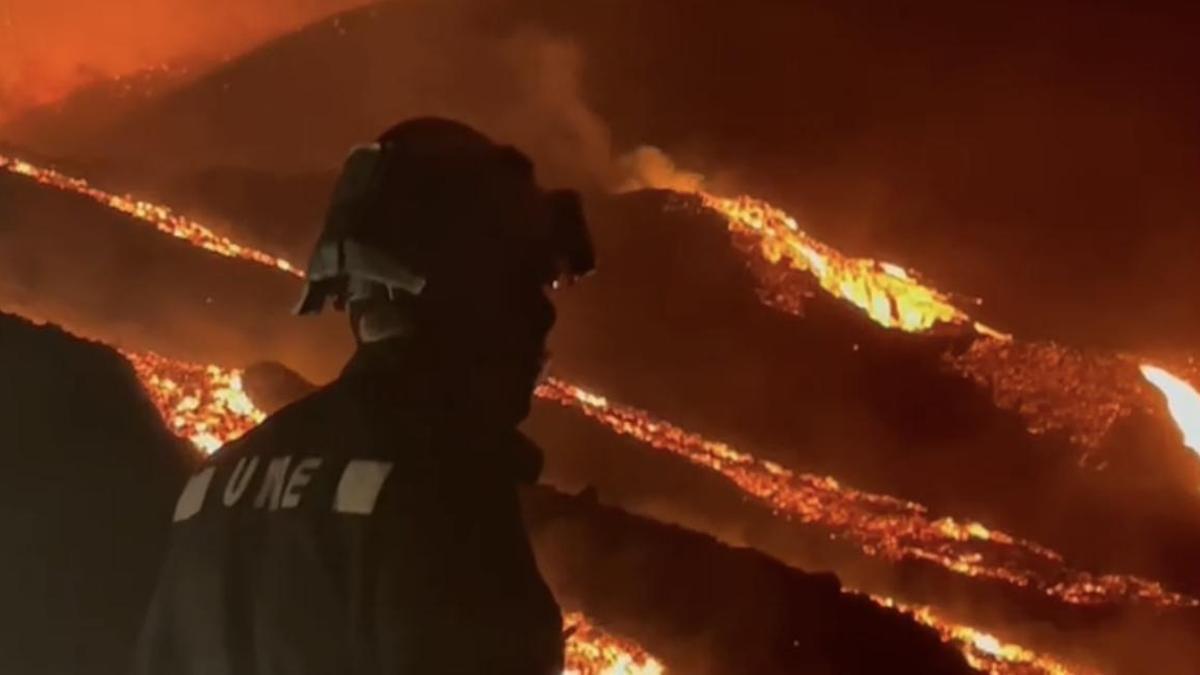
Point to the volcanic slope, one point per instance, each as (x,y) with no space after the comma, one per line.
(959,149)
(673,324)
(109,276)
(718,248)
(89,477)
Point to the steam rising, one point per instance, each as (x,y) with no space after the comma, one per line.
(650,167)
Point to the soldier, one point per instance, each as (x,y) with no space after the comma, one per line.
(373,527)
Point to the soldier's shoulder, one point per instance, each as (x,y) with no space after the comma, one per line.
(338,419)
(309,419)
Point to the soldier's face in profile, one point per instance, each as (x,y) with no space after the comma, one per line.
(495,325)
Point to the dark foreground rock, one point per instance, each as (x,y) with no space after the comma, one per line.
(88,474)
(703,607)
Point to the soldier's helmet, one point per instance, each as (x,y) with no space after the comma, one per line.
(433,198)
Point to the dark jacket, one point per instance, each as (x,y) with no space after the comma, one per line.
(366,529)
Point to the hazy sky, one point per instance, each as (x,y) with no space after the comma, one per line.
(48,47)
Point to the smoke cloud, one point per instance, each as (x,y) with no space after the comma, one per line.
(48,48)
(650,167)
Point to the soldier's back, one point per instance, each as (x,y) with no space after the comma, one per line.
(347,534)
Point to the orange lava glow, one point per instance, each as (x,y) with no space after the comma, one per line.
(983,651)
(1053,387)
(1183,402)
(887,293)
(879,525)
(161,217)
(204,404)
(591,651)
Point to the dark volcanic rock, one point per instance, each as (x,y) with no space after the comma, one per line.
(703,607)
(89,475)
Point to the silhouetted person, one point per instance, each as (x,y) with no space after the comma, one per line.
(373,526)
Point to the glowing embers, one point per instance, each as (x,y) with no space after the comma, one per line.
(1075,392)
(591,651)
(204,404)
(1054,388)
(161,217)
(983,651)
(888,293)
(879,525)
(1183,402)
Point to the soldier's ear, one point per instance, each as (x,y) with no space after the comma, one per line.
(377,320)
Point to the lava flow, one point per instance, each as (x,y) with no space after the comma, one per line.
(163,218)
(1055,388)
(983,651)
(882,526)
(1183,402)
(204,404)
(591,651)
(886,292)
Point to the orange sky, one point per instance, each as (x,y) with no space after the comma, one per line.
(48,47)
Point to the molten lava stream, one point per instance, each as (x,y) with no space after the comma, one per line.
(163,218)
(886,292)
(882,526)
(591,651)
(1183,402)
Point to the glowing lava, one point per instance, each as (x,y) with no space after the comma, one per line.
(885,292)
(161,217)
(983,651)
(1055,388)
(1183,402)
(591,651)
(879,525)
(204,404)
